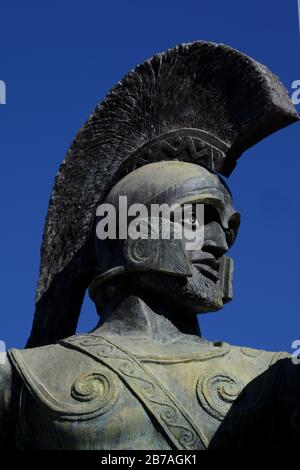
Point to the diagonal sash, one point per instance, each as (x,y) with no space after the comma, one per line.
(176,423)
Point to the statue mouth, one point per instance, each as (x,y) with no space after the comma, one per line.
(207,265)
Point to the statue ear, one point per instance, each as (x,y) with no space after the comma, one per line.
(155,252)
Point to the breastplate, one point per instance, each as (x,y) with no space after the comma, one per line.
(75,397)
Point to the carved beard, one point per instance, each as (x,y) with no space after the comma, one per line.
(196,294)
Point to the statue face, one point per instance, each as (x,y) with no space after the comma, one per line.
(199,286)
(203,290)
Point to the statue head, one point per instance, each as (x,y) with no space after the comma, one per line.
(163,134)
(191,270)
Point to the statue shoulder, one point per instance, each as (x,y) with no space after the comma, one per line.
(260,357)
(64,382)
(52,374)
(248,363)
(46,364)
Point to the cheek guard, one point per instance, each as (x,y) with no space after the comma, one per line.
(156,244)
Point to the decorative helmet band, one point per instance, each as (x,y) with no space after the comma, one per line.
(188,145)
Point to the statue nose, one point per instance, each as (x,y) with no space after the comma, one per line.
(215,239)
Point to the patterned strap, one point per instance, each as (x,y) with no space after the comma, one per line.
(156,399)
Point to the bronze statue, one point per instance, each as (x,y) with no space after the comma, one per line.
(145,378)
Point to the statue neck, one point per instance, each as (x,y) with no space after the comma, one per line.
(142,316)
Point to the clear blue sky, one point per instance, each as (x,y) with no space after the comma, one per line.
(59,59)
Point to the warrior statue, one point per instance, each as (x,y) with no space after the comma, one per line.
(145,378)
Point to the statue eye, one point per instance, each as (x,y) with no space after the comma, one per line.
(190,220)
(193,219)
